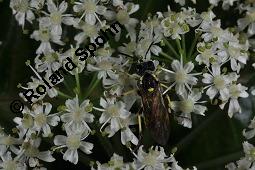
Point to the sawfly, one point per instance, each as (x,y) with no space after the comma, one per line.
(155,112)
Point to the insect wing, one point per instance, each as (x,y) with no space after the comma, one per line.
(155,112)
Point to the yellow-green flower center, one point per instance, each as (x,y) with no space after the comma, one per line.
(56,18)
(234,91)
(40,119)
(113,111)
(44,35)
(187,106)
(122,17)
(10,165)
(73,141)
(180,77)
(90,6)
(219,82)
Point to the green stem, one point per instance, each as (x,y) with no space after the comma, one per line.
(183,46)
(179,47)
(193,45)
(61,94)
(171,48)
(77,80)
(166,55)
(192,58)
(67,86)
(91,88)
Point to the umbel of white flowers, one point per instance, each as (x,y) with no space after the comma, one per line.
(56,77)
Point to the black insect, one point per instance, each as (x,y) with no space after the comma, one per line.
(154,104)
(154,107)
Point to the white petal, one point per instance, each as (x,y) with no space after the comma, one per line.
(51,6)
(216,69)
(211,92)
(101,9)
(243,23)
(224,94)
(176,65)
(208,78)
(90,18)
(86,147)
(67,117)
(60,140)
(103,102)
(115,124)
(46,130)
(199,109)
(46,156)
(53,120)
(71,155)
(68,20)
(48,107)
(234,107)
(251,29)
(189,67)
(62,7)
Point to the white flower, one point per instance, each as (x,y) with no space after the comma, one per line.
(236,52)
(88,31)
(76,114)
(33,85)
(243,163)
(47,63)
(116,162)
(251,132)
(126,134)
(73,141)
(25,123)
(45,35)
(176,24)
(147,45)
(217,82)
(113,112)
(105,66)
(154,159)
(42,118)
(189,103)
(235,91)
(207,55)
(90,9)
(8,163)
(22,11)
(56,17)
(123,17)
(249,151)
(71,54)
(248,20)
(181,76)
(7,141)
(29,152)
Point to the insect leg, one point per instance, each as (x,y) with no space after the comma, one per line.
(140,128)
(129,92)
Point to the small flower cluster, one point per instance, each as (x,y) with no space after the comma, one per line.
(154,159)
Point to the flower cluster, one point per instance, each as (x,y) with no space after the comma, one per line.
(100,102)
